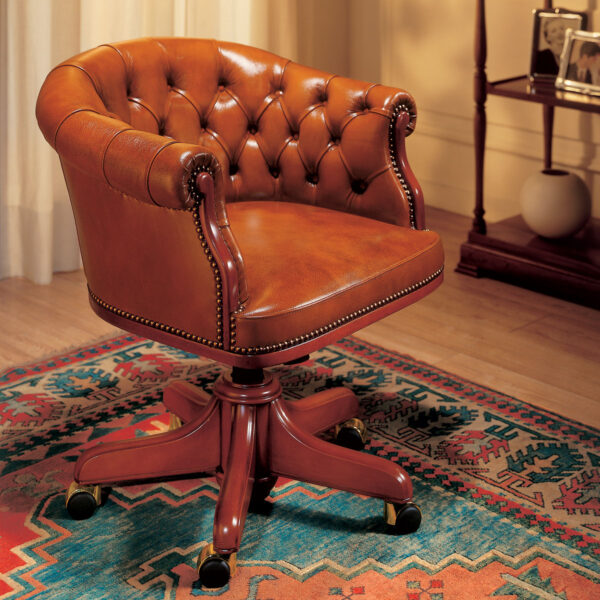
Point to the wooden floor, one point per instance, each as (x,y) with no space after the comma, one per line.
(540,349)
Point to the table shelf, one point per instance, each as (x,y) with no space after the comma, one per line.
(543,93)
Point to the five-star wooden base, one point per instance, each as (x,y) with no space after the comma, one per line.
(248,435)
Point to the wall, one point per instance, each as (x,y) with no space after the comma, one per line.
(427,48)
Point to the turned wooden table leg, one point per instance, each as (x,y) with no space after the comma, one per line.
(480,121)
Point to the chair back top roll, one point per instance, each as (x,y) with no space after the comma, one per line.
(279,130)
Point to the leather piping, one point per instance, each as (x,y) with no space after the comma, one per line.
(147,176)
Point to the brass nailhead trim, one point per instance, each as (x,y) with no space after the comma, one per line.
(392,141)
(155,324)
(197,196)
(274,347)
(321,330)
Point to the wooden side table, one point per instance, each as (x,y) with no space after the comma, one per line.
(509,250)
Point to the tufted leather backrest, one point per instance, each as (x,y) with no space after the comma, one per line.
(280,130)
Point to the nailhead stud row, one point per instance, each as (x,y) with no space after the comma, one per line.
(392,141)
(274,347)
(197,196)
(155,324)
(321,330)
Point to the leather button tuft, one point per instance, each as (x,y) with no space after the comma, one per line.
(312,178)
(233,169)
(359,186)
(222,82)
(252,128)
(274,172)
(335,140)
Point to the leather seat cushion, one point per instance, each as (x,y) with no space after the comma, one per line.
(307,266)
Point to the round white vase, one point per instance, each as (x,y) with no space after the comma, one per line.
(555,203)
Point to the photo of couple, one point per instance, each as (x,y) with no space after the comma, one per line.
(585,65)
(580,63)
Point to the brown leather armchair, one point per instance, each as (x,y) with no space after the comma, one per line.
(249,209)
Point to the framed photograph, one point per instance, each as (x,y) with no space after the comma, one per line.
(549,30)
(580,63)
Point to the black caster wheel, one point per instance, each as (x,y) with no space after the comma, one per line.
(82,500)
(215,570)
(403,518)
(351,434)
(260,490)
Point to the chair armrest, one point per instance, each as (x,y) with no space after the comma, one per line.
(149,167)
(156,170)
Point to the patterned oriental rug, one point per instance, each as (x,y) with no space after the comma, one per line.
(509,493)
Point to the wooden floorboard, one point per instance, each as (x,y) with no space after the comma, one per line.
(539,349)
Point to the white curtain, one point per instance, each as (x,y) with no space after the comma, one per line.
(37,233)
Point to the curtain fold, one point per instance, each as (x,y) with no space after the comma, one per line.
(37,232)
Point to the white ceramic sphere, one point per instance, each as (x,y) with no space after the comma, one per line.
(555,203)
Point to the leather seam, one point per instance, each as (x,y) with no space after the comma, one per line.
(343,320)
(106,151)
(347,289)
(118,52)
(141,103)
(68,117)
(83,71)
(147,178)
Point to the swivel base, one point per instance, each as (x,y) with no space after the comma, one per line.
(249,435)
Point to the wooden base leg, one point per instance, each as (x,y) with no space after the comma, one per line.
(193,448)
(185,400)
(296,454)
(323,410)
(238,479)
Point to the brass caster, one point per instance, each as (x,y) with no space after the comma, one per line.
(174,422)
(403,518)
(82,500)
(214,569)
(351,434)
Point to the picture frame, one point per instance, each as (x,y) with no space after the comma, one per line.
(580,63)
(549,34)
